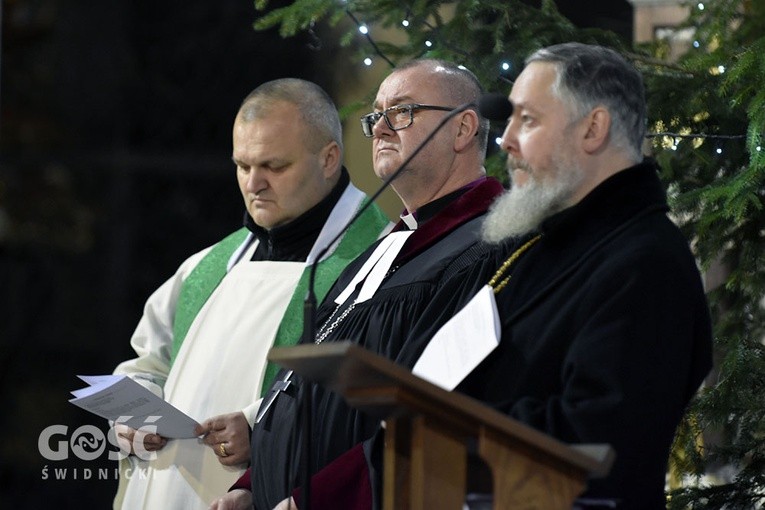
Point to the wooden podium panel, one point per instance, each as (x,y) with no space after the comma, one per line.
(428,429)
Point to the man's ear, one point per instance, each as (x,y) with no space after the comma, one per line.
(468,129)
(329,158)
(598,123)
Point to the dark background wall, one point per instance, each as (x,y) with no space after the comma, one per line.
(115,122)
(114,167)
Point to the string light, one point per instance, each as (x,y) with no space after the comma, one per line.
(675,143)
(364,30)
(506,66)
(695,135)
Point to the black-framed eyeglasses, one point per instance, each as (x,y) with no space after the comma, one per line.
(396,117)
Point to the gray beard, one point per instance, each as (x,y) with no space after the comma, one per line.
(522,209)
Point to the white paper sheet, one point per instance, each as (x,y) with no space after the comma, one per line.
(119,398)
(462,343)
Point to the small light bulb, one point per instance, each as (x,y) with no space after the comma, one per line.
(700,6)
(696,44)
(428,44)
(721,69)
(505,66)
(405,22)
(758,148)
(363,29)
(719,150)
(498,140)
(367,61)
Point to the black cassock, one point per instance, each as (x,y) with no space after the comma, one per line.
(446,240)
(605,332)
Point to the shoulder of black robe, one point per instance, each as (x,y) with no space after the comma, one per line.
(605,332)
(431,255)
(454,295)
(466,207)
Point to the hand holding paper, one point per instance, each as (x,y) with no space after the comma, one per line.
(120,399)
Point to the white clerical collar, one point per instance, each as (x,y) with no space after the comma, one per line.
(376,267)
(410,220)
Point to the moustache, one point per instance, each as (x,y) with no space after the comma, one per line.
(514,163)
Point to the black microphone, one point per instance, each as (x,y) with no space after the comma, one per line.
(309,310)
(495,107)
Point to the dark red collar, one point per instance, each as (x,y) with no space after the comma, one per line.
(469,205)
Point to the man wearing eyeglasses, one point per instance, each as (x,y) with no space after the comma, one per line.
(380,295)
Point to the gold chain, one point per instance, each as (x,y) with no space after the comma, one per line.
(507,263)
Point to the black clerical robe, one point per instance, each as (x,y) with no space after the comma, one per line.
(605,332)
(441,245)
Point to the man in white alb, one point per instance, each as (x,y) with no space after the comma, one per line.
(202,341)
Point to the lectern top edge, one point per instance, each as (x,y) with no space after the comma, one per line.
(345,367)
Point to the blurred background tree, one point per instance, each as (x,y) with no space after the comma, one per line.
(706,91)
(115,166)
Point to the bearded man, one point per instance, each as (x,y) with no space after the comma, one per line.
(605,330)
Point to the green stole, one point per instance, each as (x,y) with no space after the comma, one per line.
(200,284)
(210,271)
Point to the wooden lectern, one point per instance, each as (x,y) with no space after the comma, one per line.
(427,430)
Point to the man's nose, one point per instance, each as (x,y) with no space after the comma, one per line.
(256,181)
(381,127)
(509,140)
